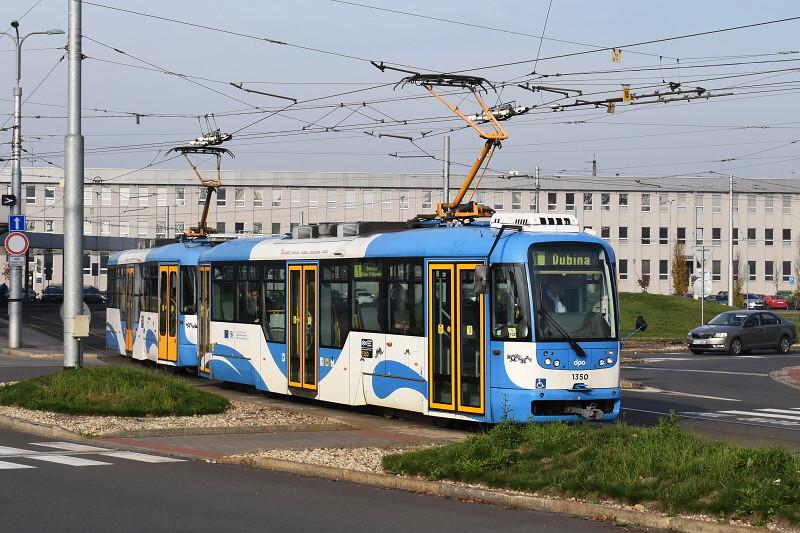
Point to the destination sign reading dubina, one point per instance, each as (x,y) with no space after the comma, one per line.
(568,259)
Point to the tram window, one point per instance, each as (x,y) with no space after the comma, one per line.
(274,290)
(149,288)
(334,302)
(405,298)
(188,294)
(223,293)
(510,313)
(248,294)
(367,296)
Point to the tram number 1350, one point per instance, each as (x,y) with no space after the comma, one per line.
(580,377)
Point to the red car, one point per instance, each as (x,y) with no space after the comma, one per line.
(776,302)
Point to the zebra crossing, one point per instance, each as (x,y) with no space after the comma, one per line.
(70,454)
(787,418)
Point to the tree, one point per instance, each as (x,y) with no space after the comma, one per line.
(777,274)
(680,274)
(796,289)
(644,282)
(738,284)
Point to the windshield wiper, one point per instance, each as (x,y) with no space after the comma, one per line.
(567,337)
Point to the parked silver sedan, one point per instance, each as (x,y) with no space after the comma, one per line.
(737,332)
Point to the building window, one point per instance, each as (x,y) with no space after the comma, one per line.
(736,236)
(87,265)
(50,195)
(698,202)
(238,197)
(769,272)
(663,269)
(349,199)
(663,235)
(87,197)
(105,195)
(787,236)
(681,202)
(716,270)
(222,197)
(124,196)
(623,201)
(570,201)
(589,230)
(751,270)
(124,228)
(426,200)
(87,227)
(605,201)
(276,228)
(623,234)
(161,196)
(516,200)
(716,236)
(533,205)
(645,235)
(258,198)
(294,197)
(735,269)
(605,232)
(402,199)
(313,198)
(386,199)
(161,229)
(31,225)
(48,226)
(751,203)
(735,207)
(716,203)
(623,269)
(481,197)
(681,236)
(143,197)
(751,236)
(258,228)
(202,194)
(180,228)
(499,198)
(238,227)
(663,203)
(220,227)
(645,267)
(698,236)
(646,202)
(105,227)
(552,204)
(277,197)
(587,201)
(143,229)
(180,196)
(30,194)
(786,270)
(769,236)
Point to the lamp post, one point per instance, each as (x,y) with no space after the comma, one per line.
(97,182)
(15,281)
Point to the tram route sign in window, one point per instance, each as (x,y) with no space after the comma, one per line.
(572,258)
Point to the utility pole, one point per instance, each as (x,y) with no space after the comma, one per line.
(730,240)
(446,184)
(73,193)
(97,182)
(536,175)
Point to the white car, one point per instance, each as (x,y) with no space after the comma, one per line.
(364,297)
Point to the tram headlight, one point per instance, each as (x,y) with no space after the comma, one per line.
(556,363)
(609,360)
(547,361)
(602,362)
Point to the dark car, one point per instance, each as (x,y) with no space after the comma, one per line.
(91,295)
(53,294)
(737,332)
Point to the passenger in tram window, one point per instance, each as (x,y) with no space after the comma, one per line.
(398,301)
(553,301)
(252,307)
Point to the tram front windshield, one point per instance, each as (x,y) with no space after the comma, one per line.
(573,292)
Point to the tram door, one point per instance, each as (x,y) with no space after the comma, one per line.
(168,313)
(456,339)
(303,326)
(129,306)
(204,316)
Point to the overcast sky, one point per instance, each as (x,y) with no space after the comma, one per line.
(327,48)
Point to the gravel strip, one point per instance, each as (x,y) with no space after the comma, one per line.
(366,459)
(238,415)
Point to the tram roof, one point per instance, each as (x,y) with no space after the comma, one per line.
(183,253)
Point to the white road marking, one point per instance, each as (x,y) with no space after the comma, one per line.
(7,450)
(699,371)
(722,416)
(654,390)
(143,457)
(785,411)
(5,465)
(69,446)
(67,460)
(760,414)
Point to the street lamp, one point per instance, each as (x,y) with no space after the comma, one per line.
(15,293)
(98,184)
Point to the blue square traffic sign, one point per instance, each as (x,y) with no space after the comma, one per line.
(16,223)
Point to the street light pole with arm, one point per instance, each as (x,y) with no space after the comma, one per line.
(15,281)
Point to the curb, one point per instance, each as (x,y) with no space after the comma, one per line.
(562,506)
(784,376)
(33,353)
(9,422)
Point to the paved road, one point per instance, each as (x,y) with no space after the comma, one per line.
(62,487)
(718,395)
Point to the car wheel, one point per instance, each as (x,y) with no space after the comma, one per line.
(784,345)
(736,347)
(696,352)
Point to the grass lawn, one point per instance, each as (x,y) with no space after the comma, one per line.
(669,317)
(112,391)
(662,467)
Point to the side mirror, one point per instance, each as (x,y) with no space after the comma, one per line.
(481,279)
(641,325)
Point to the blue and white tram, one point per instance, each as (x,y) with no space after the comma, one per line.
(152,307)
(517,319)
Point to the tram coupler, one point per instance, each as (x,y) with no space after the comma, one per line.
(588,413)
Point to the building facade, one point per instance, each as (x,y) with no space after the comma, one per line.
(643,218)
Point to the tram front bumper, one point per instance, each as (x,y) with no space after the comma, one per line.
(555,405)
